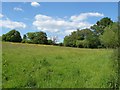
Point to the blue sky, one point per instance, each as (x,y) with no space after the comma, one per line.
(56,19)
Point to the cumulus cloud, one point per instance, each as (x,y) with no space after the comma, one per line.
(69,31)
(17,9)
(84,16)
(35,4)
(1,15)
(50,24)
(11,24)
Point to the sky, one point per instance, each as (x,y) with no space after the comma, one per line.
(57,19)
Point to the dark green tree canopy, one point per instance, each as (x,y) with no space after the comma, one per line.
(12,36)
(96,36)
(81,38)
(50,42)
(99,27)
(37,37)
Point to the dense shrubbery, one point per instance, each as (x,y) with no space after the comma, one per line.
(82,38)
(110,36)
(103,34)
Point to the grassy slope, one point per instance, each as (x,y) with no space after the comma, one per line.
(27,65)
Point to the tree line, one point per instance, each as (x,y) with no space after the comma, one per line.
(30,37)
(103,34)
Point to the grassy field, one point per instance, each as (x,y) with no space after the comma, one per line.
(41,66)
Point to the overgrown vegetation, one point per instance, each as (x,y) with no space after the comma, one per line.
(40,66)
(103,34)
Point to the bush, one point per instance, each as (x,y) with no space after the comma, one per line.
(60,44)
(50,42)
(12,36)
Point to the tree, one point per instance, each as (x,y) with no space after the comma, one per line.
(37,37)
(110,36)
(4,37)
(24,36)
(68,41)
(93,41)
(79,43)
(77,35)
(31,35)
(12,36)
(82,44)
(60,44)
(99,27)
(81,38)
(24,40)
(50,42)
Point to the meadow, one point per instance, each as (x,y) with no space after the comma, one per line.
(46,66)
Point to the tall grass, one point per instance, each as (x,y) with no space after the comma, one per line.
(39,66)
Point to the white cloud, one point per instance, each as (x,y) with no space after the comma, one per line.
(69,31)
(84,16)
(47,23)
(11,24)
(63,26)
(1,15)
(35,4)
(17,9)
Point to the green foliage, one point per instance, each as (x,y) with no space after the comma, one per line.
(82,43)
(93,41)
(12,36)
(95,37)
(68,41)
(110,36)
(76,38)
(104,22)
(79,43)
(60,44)
(50,42)
(4,37)
(24,40)
(99,27)
(82,38)
(37,37)
(24,37)
(84,33)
